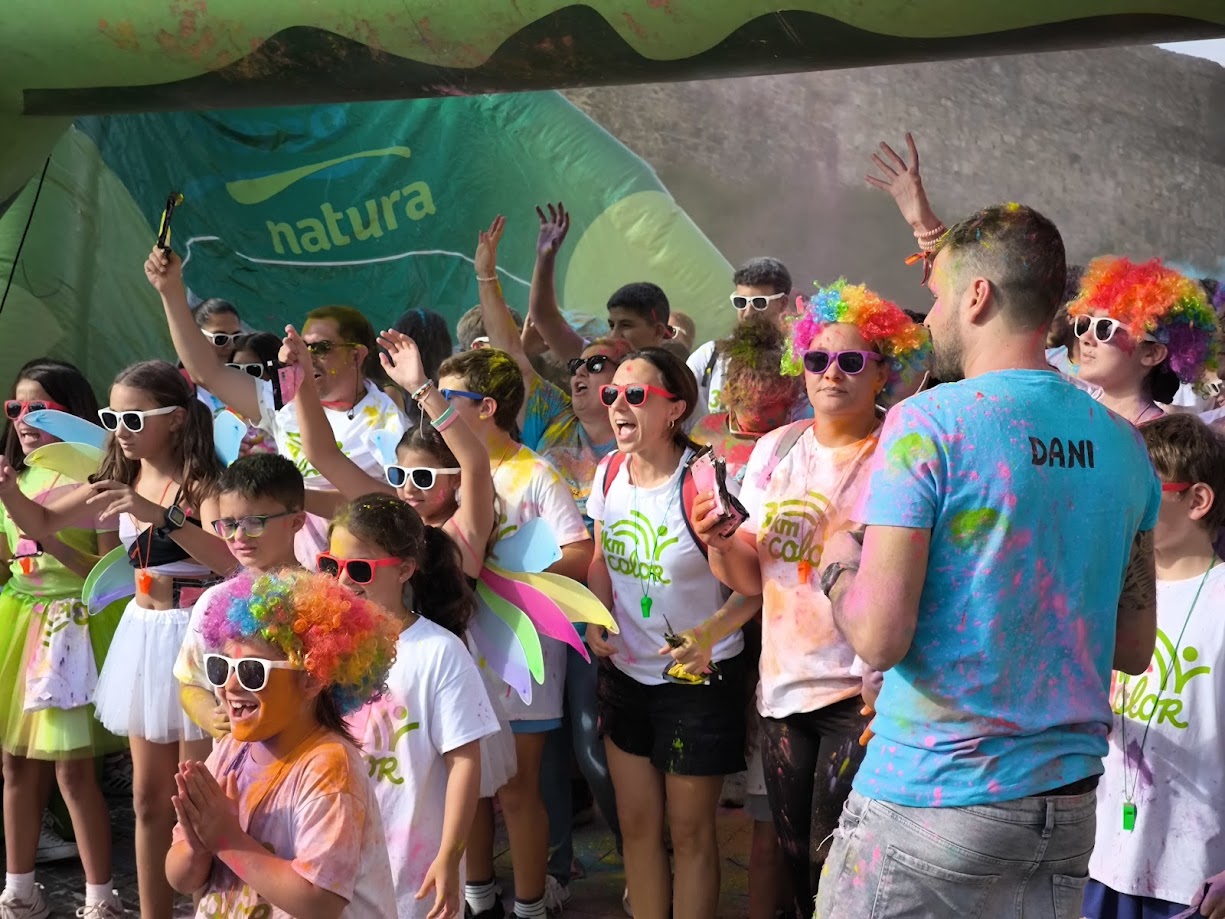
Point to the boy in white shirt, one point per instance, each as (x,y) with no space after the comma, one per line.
(1160,825)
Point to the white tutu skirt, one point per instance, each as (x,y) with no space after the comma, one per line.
(498,761)
(137,694)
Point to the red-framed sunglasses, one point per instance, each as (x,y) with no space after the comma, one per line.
(19,408)
(635,393)
(1176,486)
(359,570)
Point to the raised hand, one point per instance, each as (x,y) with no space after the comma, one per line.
(553,230)
(903,181)
(164,271)
(293,349)
(401,359)
(487,248)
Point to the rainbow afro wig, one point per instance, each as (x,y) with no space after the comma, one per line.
(345,642)
(1153,299)
(904,343)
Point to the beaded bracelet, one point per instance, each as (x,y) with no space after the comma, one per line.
(928,239)
(486,280)
(445,420)
(421,390)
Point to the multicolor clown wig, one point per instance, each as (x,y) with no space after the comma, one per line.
(1153,299)
(345,642)
(903,342)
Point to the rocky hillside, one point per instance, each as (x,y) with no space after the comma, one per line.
(1124,148)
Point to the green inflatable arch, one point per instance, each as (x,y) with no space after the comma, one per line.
(288,208)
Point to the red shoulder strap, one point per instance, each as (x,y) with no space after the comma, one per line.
(612,466)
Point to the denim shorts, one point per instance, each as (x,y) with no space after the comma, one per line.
(1028,857)
(683,730)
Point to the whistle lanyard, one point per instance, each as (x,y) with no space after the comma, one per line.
(144,578)
(1129,793)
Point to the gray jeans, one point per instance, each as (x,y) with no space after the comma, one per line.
(1026,858)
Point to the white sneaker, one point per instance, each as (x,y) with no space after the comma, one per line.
(107,909)
(51,848)
(34,908)
(556,896)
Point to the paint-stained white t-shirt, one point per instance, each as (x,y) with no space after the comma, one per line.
(435,703)
(1174,775)
(650,553)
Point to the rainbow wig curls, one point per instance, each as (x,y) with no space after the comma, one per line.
(904,343)
(344,641)
(1153,299)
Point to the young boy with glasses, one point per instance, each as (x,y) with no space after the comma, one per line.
(261,500)
(1160,828)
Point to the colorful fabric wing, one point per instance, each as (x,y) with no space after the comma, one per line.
(68,428)
(576,601)
(500,651)
(228,432)
(521,627)
(542,609)
(113,578)
(76,462)
(531,548)
(384,443)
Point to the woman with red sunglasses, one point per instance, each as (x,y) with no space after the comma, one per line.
(44,583)
(671,735)
(857,353)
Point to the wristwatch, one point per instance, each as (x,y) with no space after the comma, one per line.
(832,572)
(175,518)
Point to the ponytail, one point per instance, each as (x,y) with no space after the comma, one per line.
(441,592)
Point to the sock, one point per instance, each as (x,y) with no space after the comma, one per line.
(22,885)
(99,893)
(480,896)
(533,910)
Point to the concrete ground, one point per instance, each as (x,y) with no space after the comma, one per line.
(595,896)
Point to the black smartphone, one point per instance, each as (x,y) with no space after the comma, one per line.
(163,234)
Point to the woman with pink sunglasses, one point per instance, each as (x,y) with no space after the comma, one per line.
(858,353)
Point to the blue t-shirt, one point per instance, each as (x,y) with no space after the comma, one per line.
(1034,494)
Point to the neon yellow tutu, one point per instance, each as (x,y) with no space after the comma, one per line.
(50,733)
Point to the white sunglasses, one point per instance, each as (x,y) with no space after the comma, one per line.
(251,370)
(422,477)
(1103,328)
(134,421)
(252,671)
(758,303)
(221,339)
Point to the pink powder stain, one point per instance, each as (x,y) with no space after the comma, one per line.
(876,855)
(929,741)
(937,795)
(994,787)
